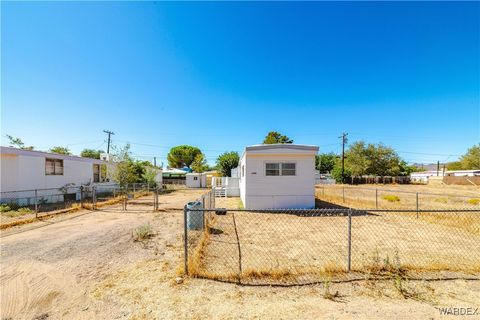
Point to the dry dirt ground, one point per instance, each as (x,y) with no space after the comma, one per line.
(86,266)
(429,196)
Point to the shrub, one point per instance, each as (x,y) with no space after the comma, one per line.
(18,212)
(4,208)
(474,201)
(391,198)
(441,200)
(142,232)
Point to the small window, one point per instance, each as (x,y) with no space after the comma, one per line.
(272,169)
(288,169)
(53,167)
(195,178)
(96,173)
(99,172)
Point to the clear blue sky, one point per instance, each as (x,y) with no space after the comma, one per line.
(221,75)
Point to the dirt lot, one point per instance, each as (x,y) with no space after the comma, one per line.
(401,196)
(86,265)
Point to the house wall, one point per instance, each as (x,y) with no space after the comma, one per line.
(263,192)
(24,172)
(242,168)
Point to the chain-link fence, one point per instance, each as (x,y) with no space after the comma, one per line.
(381,198)
(293,247)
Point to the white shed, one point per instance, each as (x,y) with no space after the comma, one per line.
(196,180)
(278,176)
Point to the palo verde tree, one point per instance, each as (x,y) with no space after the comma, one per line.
(90,153)
(17,143)
(60,150)
(226,162)
(127,170)
(471,159)
(182,156)
(274,137)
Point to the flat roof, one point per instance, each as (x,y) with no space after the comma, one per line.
(35,153)
(282,146)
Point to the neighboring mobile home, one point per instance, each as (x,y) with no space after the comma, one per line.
(28,170)
(278,176)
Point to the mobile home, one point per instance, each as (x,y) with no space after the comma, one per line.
(278,176)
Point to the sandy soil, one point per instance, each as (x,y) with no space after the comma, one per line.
(87,266)
(429,196)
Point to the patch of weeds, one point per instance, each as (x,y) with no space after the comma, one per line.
(474,201)
(17,213)
(4,208)
(142,232)
(441,200)
(391,198)
(327,294)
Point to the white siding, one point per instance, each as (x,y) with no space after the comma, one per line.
(259,191)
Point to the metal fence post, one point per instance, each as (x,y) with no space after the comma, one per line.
(185,238)
(417,203)
(94,198)
(36,203)
(349,261)
(376,198)
(81,197)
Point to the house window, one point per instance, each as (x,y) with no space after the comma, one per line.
(280,169)
(195,178)
(53,167)
(288,169)
(272,169)
(99,173)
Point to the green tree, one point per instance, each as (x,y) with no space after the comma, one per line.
(371,159)
(276,137)
(199,164)
(456,165)
(325,162)
(149,175)
(90,153)
(471,159)
(60,150)
(125,171)
(18,143)
(337,171)
(226,162)
(181,156)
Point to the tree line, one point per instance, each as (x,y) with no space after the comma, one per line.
(361,158)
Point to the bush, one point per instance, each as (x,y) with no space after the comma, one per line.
(4,208)
(142,232)
(17,213)
(391,198)
(474,201)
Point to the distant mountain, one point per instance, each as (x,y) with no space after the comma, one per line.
(429,166)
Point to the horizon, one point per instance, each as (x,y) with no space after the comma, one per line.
(220,76)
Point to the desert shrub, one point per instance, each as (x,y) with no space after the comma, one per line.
(4,208)
(441,200)
(142,232)
(474,201)
(391,198)
(24,210)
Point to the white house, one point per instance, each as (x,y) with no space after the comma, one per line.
(27,170)
(463,173)
(196,180)
(278,176)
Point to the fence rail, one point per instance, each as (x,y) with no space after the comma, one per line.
(294,247)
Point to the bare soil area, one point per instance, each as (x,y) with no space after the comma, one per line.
(86,265)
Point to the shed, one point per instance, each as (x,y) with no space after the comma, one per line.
(276,176)
(196,180)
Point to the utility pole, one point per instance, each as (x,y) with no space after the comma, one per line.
(344,141)
(443,174)
(108,143)
(438,168)
(154,161)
